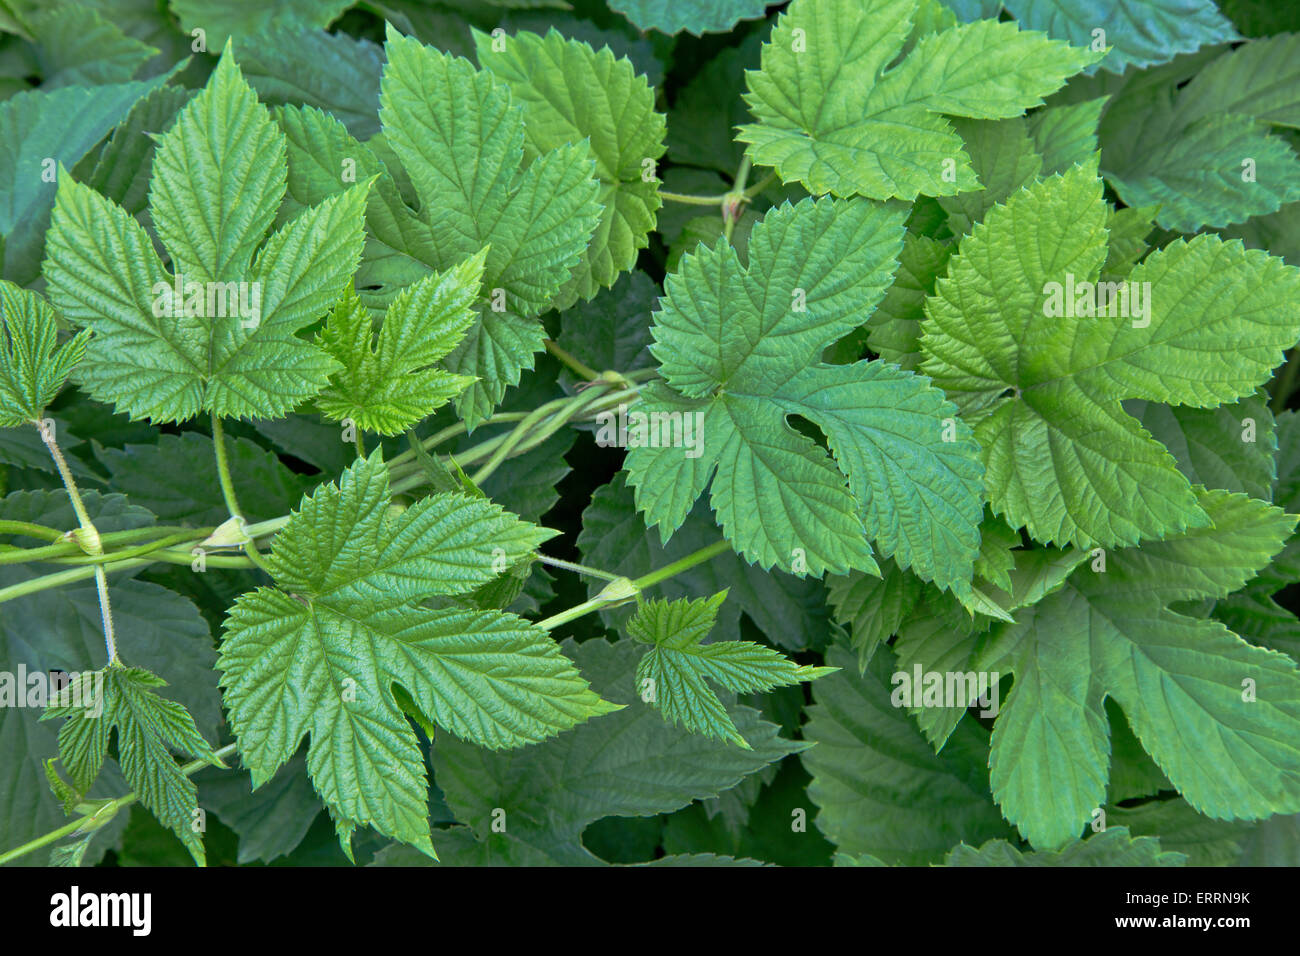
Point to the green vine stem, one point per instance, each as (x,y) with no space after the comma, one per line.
(228,489)
(692,200)
(574,364)
(573,566)
(87,537)
(406,473)
(619,591)
(31,530)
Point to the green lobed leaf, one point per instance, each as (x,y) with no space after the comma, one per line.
(125,701)
(831,116)
(1196,695)
(390,381)
(322,653)
(569,93)
(738,346)
(228,343)
(33,366)
(1043,390)
(673,673)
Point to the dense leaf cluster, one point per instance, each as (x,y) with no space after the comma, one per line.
(690,432)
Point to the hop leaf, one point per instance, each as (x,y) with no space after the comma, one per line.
(124,699)
(1197,696)
(1043,391)
(569,92)
(678,664)
(390,384)
(342,650)
(228,341)
(739,345)
(831,117)
(32,368)
(460,140)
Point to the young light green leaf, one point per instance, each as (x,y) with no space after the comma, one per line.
(673,673)
(390,382)
(831,116)
(1198,323)
(320,654)
(221,334)
(739,348)
(33,367)
(460,139)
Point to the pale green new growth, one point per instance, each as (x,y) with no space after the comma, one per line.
(342,649)
(740,345)
(229,342)
(390,382)
(124,699)
(835,116)
(32,368)
(673,675)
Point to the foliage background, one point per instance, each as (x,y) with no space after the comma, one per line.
(912,806)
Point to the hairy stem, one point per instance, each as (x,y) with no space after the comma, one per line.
(692,200)
(621,590)
(30,530)
(572,566)
(762,184)
(734,204)
(228,488)
(89,540)
(568,358)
